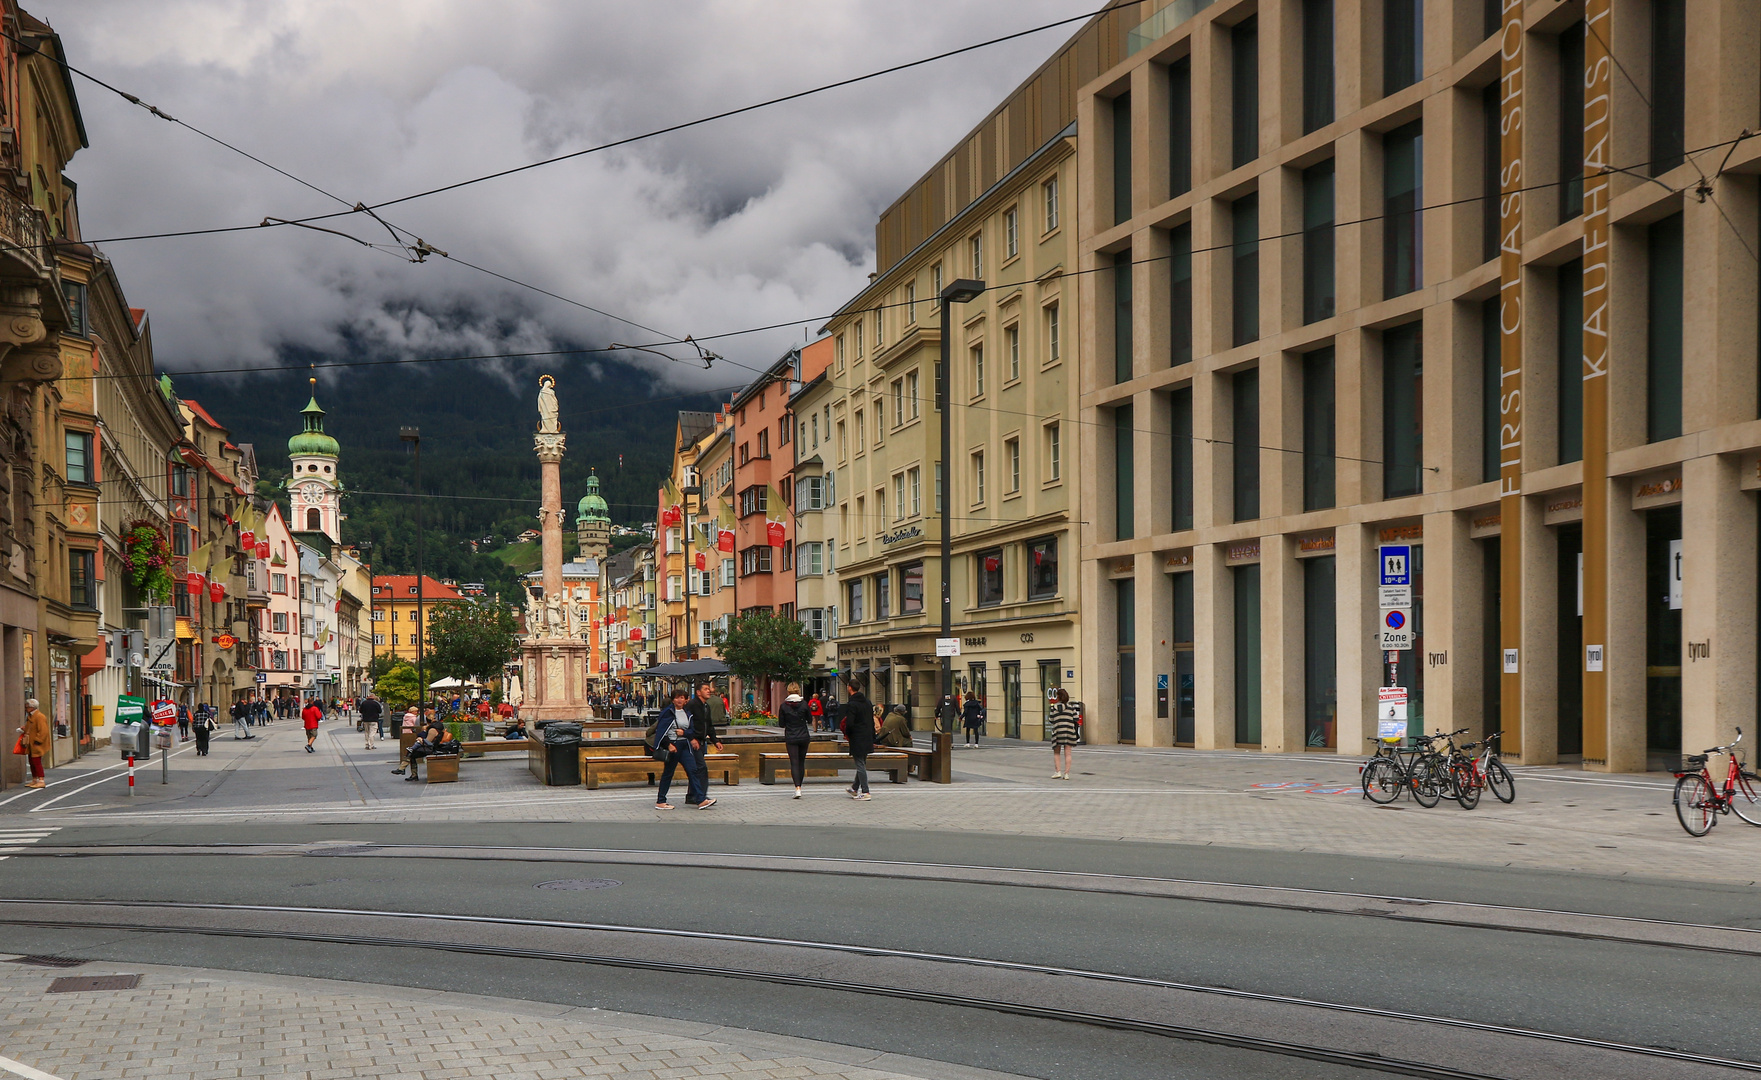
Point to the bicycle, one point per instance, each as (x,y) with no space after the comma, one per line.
(1698,802)
(1385,775)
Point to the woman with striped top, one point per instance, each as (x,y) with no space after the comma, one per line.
(1061,730)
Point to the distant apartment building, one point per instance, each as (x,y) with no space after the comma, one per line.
(396,628)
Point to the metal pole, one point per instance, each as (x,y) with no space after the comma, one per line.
(421,626)
(946,494)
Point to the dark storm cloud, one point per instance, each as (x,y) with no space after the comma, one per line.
(757,219)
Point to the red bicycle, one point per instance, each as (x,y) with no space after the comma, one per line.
(1698,802)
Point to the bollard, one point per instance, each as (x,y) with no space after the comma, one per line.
(131,775)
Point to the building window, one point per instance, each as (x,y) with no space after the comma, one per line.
(753,500)
(1320,650)
(79,457)
(1180,295)
(938,487)
(911,302)
(1318,438)
(912,398)
(1664,332)
(279,656)
(1122,343)
(898,496)
(1402,196)
(1669,36)
(843,447)
(1053,342)
(840,350)
(1011,233)
(978,370)
(853,600)
(914,481)
(1571,361)
(898,402)
(82,591)
(1180,439)
(810,558)
(314,521)
(378,615)
(935,282)
(978,478)
(1571,121)
(1012,348)
(1244,91)
(1125,513)
(1245,403)
(1245,277)
(1054,454)
(911,589)
(1247,653)
(810,493)
(180,480)
(1317,64)
(674,588)
(1180,127)
(1402,411)
(755,560)
(879,331)
(1403,44)
(180,542)
(1491,383)
(883,596)
(77,324)
(861,431)
(278,621)
(1049,198)
(727,573)
(989,567)
(1121,158)
(857,329)
(1491,119)
(1042,568)
(763,443)
(1012,458)
(814,620)
(673,541)
(975,253)
(1317,242)
(277,582)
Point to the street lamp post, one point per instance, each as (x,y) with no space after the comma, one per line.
(957,292)
(414,437)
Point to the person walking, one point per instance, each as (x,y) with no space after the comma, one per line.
(677,737)
(372,718)
(1061,731)
(972,718)
(797,722)
(204,726)
(709,714)
(816,710)
(183,722)
(240,730)
(859,731)
(34,737)
(312,715)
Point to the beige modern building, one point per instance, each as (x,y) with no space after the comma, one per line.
(1352,287)
(1000,208)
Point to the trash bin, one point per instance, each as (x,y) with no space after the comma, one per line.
(559,746)
(134,740)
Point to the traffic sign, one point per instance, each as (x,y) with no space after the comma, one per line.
(161,653)
(1161,682)
(1396,629)
(262,676)
(1394,596)
(1396,564)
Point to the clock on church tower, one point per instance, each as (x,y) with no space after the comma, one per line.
(313,492)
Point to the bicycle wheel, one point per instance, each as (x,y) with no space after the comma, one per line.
(1498,778)
(1382,781)
(1695,804)
(1467,785)
(1426,784)
(1745,798)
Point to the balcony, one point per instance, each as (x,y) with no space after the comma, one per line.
(26,248)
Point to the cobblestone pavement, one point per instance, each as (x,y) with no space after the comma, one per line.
(1563,818)
(193,1024)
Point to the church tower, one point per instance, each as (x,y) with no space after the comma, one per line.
(313,491)
(593,522)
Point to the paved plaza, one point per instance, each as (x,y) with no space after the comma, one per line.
(1563,819)
(193,1024)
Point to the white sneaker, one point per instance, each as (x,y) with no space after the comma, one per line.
(797,793)
(862,797)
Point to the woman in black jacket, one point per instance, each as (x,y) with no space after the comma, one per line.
(797,724)
(859,730)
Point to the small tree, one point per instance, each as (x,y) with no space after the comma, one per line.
(398,687)
(765,646)
(379,665)
(470,640)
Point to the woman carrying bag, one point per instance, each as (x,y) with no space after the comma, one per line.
(797,721)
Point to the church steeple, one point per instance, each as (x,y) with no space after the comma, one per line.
(312,487)
(593,522)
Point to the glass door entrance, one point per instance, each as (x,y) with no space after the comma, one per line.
(1011,700)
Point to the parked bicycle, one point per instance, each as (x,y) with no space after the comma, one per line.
(1698,802)
(1395,768)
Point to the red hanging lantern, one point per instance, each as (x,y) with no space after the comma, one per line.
(247,539)
(262,549)
(671,516)
(216,591)
(773,530)
(702,561)
(724,540)
(193,583)
(635,633)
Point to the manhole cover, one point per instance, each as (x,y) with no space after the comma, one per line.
(580,884)
(74,984)
(49,961)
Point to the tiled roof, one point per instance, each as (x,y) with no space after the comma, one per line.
(399,586)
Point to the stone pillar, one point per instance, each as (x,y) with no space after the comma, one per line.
(549,448)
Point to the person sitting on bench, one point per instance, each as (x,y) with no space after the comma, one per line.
(436,739)
(896,731)
(516,729)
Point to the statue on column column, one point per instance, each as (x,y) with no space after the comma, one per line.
(547,421)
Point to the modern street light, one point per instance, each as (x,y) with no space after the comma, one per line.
(957,292)
(414,437)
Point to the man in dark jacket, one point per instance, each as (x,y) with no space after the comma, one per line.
(373,713)
(895,729)
(859,730)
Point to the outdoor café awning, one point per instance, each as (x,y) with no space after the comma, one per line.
(684,668)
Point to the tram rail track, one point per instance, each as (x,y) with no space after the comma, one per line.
(1555,922)
(1362,1036)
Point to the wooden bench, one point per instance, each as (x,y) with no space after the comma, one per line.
(441,768)
(490,746)
(895,763)
(919,761)
(601,767)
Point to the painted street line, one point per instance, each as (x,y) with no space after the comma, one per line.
(21,838)
(19,1068)
(69,794)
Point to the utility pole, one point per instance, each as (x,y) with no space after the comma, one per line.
(957,292)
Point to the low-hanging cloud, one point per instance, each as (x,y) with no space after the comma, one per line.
(762,218)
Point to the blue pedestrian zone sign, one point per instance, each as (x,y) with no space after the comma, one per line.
(1396,564)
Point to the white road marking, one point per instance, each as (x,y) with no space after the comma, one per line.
(19,1068)
(22,837)
(140,768)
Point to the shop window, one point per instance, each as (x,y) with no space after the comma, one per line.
(911,588)
(1042,568)
(988,569)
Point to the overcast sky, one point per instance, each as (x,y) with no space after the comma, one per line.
(757,219)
